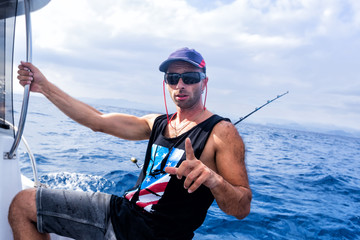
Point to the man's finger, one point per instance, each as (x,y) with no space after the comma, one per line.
(171,170)
(189,150)
(28,66)
(25,72)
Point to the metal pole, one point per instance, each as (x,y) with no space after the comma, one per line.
(27,87)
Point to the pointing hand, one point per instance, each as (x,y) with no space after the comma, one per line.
(194,170)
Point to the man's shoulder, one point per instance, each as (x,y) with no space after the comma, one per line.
(214,119)
(224,124)
(151,118)
(226,131)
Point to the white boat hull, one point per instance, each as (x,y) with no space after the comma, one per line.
(11,182)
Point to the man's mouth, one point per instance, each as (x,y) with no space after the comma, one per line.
(181,97)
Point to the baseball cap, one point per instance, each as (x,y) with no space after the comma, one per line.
(187,55)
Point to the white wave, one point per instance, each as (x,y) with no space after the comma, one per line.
(76,181)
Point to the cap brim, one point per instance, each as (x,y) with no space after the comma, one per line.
(165,65)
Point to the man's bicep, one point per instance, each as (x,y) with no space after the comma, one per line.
(230,156)
(128,126)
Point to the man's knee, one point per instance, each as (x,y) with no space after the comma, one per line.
(23,206)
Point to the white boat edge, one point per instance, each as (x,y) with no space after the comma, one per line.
(12,181)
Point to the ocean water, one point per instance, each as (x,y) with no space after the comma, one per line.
(305,185)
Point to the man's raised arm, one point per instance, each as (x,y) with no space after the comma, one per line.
(117,124)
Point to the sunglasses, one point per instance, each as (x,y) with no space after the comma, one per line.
(187,78)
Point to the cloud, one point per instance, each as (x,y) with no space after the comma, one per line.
(254,50)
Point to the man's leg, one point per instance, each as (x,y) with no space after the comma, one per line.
(22,216)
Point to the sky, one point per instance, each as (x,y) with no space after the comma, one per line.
(254,51)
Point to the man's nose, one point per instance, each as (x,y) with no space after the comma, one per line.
(180,84)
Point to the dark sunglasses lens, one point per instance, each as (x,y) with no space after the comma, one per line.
(188,78)
(172,78)
(191,78)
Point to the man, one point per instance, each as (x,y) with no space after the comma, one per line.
(193,156)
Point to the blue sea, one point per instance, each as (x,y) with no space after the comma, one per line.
(305,185)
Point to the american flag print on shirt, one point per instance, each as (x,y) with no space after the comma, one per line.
(153,186)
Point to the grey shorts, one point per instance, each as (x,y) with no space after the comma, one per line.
(78,215)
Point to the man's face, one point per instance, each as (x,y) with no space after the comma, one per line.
(185,96)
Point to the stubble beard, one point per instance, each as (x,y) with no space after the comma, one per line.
(193,100)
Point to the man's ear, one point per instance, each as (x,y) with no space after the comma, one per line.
(204,83)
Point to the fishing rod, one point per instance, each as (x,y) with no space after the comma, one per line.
(134,160)
(258,108)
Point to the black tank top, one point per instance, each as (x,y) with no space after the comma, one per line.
(161,196)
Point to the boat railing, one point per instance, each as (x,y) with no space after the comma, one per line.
(26,97)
